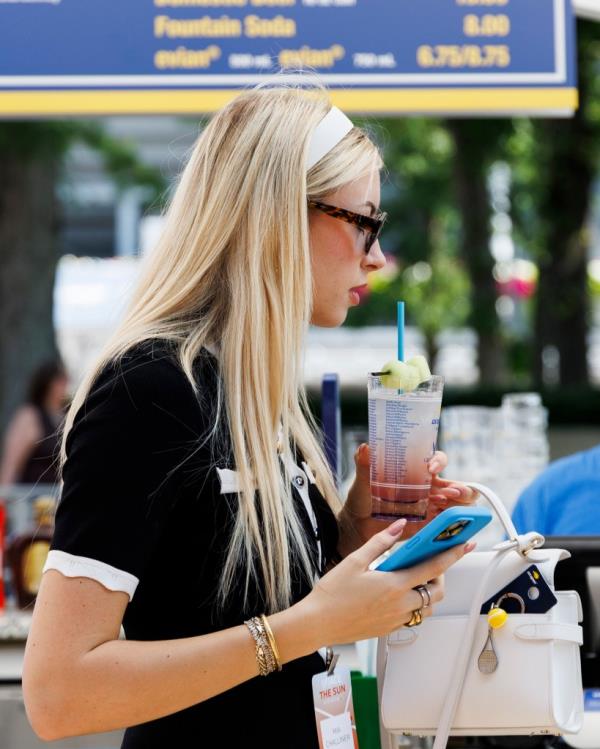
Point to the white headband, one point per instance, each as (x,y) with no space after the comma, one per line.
(327,134)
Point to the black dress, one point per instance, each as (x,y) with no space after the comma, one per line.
(144,509)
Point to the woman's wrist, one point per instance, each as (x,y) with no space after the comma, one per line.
(350,537)
(350,511)
(297,631)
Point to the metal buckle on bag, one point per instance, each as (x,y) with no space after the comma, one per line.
(531,547)
(536,540)
(522,544)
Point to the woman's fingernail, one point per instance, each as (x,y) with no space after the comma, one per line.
(397,526)
(470,546)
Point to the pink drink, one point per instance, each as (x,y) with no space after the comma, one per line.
(403,430)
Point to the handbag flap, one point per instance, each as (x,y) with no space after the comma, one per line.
(463,578)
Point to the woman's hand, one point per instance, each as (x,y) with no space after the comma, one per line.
(352,602)
(443,494)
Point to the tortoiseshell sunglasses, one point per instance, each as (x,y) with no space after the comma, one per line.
(371,224)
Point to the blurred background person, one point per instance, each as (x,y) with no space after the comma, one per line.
(564,500)
(31,443)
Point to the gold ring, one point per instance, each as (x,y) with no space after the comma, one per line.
(416,618)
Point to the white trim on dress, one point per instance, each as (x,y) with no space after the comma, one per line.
(72,565)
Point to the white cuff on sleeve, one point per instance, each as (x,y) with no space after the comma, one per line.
(76,566)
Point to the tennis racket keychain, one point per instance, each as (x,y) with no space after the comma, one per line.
(488,658)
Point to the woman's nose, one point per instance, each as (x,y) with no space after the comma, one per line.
(375,259)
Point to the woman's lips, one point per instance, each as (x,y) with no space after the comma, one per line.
(358,293)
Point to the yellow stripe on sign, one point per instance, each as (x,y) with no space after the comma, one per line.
(390,101)
(382,101)
(126,101)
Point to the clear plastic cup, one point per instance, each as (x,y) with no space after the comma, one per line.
(403,430)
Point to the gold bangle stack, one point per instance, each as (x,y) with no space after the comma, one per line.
(267,654)
(271,638)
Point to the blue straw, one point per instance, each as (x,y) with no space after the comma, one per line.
(401,331)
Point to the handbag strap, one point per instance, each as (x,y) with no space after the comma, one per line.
(498,507)
(521,544)
(461,663)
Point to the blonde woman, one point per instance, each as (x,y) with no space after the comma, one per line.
(197,508)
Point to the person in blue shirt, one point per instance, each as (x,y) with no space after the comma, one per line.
(564,500)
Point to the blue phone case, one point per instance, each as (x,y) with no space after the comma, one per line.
(451,527)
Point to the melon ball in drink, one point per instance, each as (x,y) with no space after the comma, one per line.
(406,375)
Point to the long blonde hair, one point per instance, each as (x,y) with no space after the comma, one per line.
(232,267)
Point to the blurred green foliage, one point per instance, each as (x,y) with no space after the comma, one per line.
(421,236)
(416,187)
(435,189)
(49,140)
(554,164)
(436,294)
(32,159)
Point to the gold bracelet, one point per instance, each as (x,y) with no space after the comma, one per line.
(266,643)
(272,641)
(264,654)
(261,657)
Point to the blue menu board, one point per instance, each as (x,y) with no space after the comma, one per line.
(386,56)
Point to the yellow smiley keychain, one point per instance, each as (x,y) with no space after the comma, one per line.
(488,659)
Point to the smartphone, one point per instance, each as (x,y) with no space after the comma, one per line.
(450,528)
(532,589)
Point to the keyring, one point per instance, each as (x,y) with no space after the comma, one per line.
(514,596)
(415,619)
(423,590)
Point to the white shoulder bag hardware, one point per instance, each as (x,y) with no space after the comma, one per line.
(428,676)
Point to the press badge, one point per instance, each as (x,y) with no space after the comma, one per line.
(334,711)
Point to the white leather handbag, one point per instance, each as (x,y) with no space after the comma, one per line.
(429,678)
